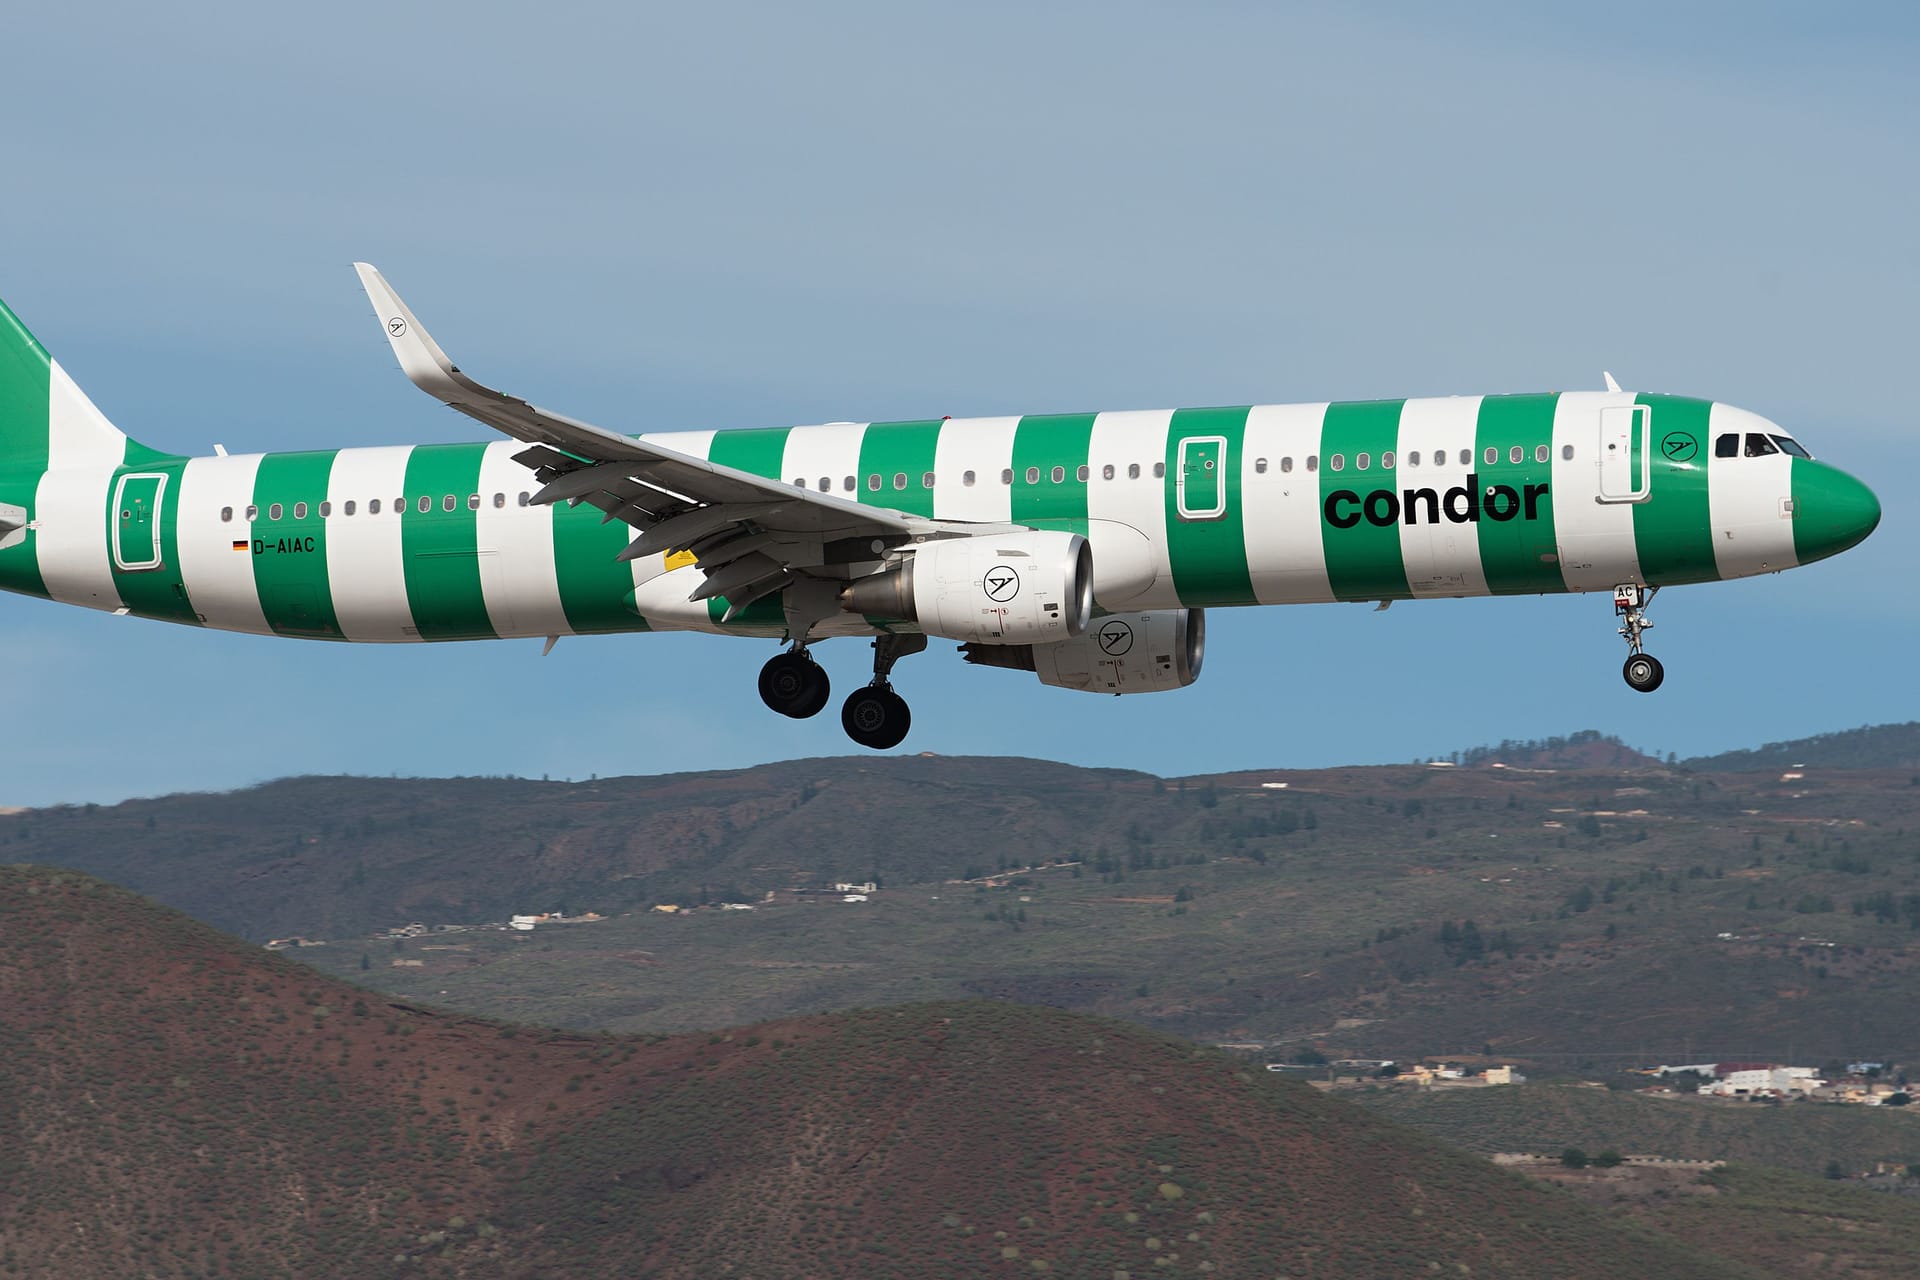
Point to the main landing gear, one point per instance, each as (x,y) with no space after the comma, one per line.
(1643,671)
(793,684)
(876,716)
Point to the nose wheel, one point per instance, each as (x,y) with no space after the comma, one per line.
(1643,671)
(793,684)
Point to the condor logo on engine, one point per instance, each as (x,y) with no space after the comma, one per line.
(1001,584)
(1462,504)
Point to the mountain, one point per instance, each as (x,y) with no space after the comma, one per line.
(1883,746)
(176,1103)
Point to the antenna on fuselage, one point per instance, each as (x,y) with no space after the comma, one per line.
(1611,384)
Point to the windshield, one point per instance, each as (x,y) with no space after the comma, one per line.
(1789,445)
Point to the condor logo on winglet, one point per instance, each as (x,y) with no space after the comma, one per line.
(1462,504)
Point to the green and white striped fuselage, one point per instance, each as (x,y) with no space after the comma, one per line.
(1275,504)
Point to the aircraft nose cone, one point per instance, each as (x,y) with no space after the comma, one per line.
(1831,512)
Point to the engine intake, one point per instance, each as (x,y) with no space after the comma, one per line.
(1029,587)
(1121,653)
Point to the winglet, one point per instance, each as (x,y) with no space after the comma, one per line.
(1611,384)
(421,358)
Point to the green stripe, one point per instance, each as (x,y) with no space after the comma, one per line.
(758,452)
(1672,529)
(290,556)
(153,593)
(1363,562)
(1520,555)
(440,548)
(1208,556)
(1040,443)
(595,588)
(26,378)
(894,451)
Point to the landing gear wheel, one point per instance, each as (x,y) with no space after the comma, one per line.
(794,685)
(876,717)
(1644,672)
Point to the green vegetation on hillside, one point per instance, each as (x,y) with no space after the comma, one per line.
(1881,746)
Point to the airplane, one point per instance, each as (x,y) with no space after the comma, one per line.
(1083,548)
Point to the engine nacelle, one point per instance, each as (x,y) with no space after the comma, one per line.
(1031,587)
(1121,653)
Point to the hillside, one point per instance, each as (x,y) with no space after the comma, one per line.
(1882,746)
(1644,915)
(176,1103)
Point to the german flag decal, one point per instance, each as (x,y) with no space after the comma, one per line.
(238,545)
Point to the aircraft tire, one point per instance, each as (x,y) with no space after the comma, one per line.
(876,717)
(794,685)
(1643,672)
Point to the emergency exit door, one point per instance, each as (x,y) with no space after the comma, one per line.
(136,521)
(1200,485)
(1626,439)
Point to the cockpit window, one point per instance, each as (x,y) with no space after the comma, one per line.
(1758,446)
(1791,447)
(1727,446)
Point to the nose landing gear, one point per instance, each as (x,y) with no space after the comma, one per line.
(876,716)
(1643,671)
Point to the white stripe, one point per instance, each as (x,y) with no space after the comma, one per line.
(517,574)
(1442,558)
(219,580)
(1746,499)
(366,568)
(70,537)
(78,434)
(1122,440)
(983,446)
(695,444)
(1286,559)
(1597,551)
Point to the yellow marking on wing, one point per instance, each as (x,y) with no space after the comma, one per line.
(676,559)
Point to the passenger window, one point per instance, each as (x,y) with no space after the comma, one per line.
(326,509)
(1492,455)
(1566,453)
(273,512)
(1159,471)
(1516,455)
(526,498)
(1133,471)
(1006,475)
(1386,459)
(347,507)
(400,506)
(1758,446)
(1081,473)
(448,503)
(801,483)
(873,484)
(926,481)
(1260,466)
(899,480)
(499,501)
(849,484)
(226,515)
(1286,465)
(253,513)
(1313,462)
(1059,474)
(1466,457)
(1363,461)
(966,478)
(1540,453)
(1727,446)
(1413,457)
(1338,462)
(1106,472)
(826,484)
(1033,475)
(373,506)
(473,502)
(299,511)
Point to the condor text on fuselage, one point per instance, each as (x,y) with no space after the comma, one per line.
(1462,504)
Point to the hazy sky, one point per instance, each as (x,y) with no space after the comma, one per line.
(750,215)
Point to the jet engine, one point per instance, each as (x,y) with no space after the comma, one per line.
(1120,653)
(1032,586)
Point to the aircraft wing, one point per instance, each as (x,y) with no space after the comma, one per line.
(750,535)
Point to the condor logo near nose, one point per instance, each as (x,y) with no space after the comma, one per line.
(1462,504)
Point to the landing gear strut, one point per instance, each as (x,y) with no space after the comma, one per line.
(1643,671)
(793,684)
(876,716)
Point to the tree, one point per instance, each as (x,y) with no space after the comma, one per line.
(1310,1057)
(1574,1158)
(1835,1171)
(1608,1159)
(1897,1100)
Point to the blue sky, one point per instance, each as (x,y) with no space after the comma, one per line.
(749,215)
